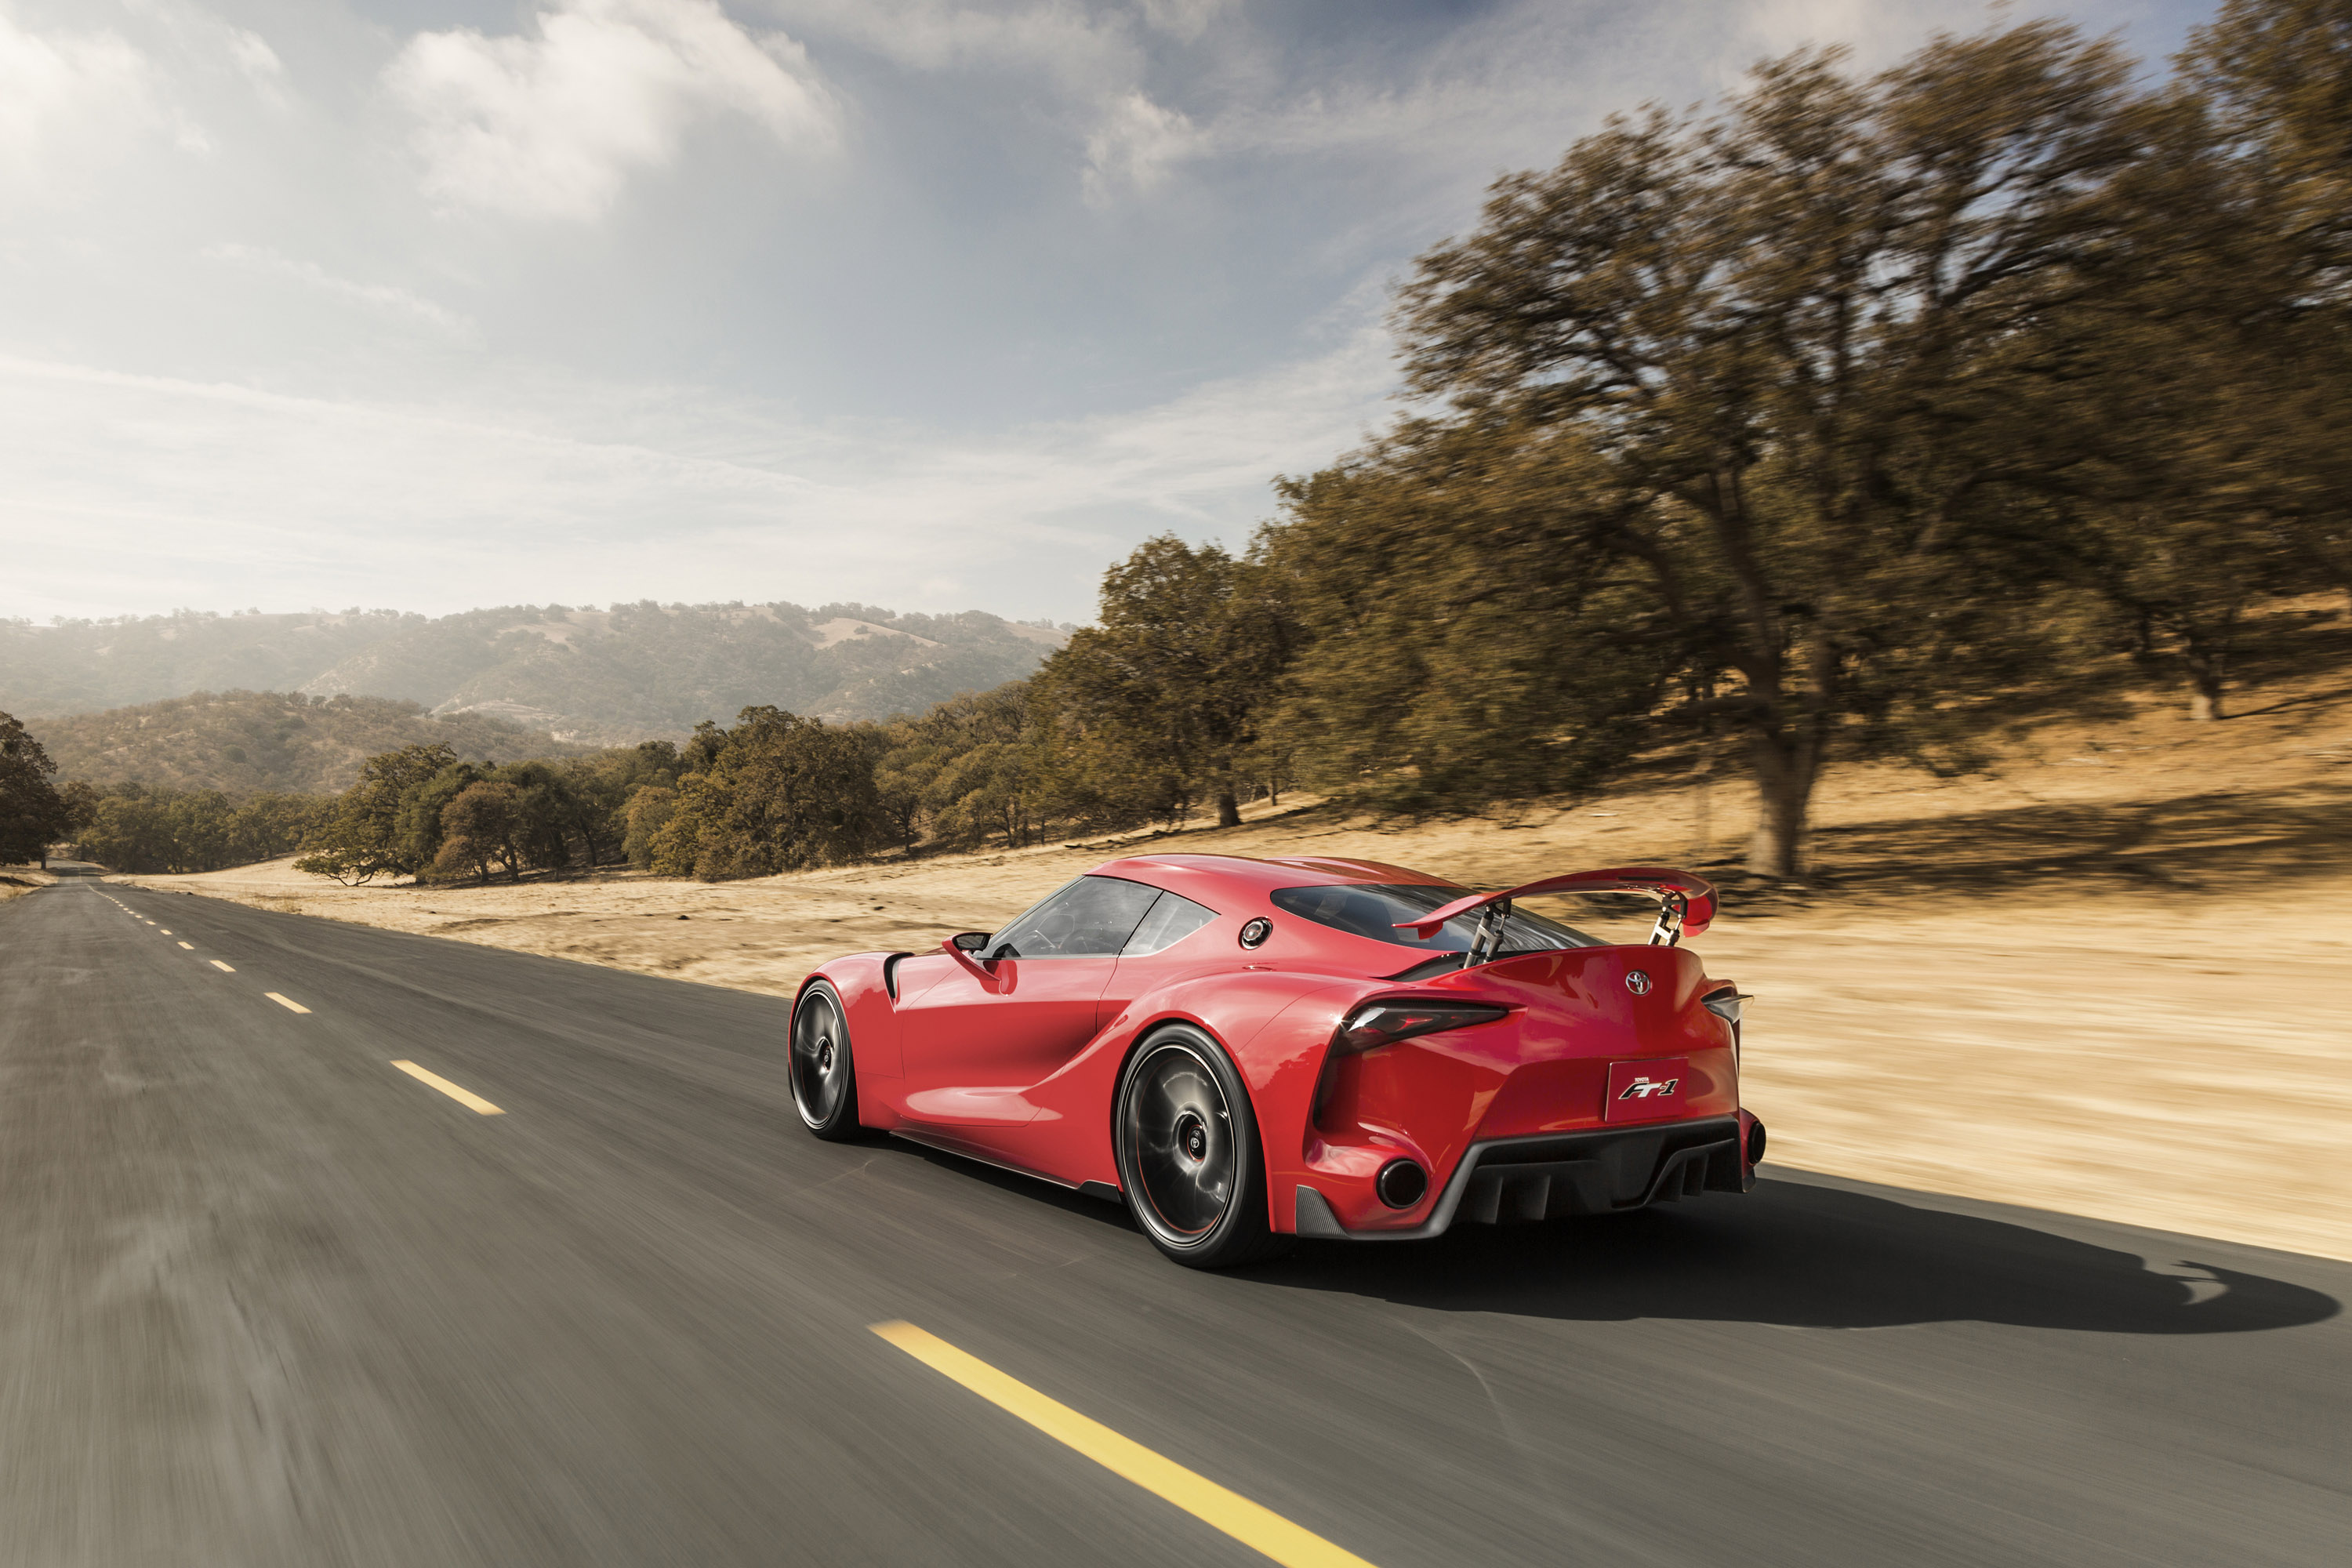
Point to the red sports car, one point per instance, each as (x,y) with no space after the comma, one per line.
(1245,1050)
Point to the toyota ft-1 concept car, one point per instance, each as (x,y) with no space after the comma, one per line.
(1247,1050)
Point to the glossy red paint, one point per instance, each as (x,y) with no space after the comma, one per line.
(1017,1060)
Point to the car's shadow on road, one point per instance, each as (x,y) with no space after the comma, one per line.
(1800,1255)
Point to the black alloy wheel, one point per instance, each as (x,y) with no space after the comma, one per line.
(825,1082)
(1187,1154)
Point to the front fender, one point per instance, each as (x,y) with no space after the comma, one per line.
(874,1030)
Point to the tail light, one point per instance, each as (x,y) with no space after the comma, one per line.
(1378,1024)
(1386,1022)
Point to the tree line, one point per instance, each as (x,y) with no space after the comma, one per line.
(130,827)
(1833,420)
(1839,421)
(1843,420)
(423,812)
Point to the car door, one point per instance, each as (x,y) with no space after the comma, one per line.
(1013,1014)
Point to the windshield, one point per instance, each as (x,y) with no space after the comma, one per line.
(1090,917)
(1373,910)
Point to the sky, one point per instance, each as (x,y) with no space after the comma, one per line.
(432,304)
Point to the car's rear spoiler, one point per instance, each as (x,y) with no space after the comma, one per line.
(1685,902)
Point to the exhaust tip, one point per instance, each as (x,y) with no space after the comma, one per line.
(1402,1183)
(1755,1142)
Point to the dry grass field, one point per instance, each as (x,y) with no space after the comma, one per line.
(2110,977)
(16,882)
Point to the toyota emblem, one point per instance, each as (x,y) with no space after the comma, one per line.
(1637,981)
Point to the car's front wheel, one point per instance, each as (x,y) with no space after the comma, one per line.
(1187,1154)
(825,1078)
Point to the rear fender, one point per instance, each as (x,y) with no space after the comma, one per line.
(1237,1011)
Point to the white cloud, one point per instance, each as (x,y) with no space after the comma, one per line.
(383,299)
(136,492)
(258,63)
(550,125)
(1186,19)
(63,95)
(1876,34)
(1135,145)
(1008,391)
(1091,60)
(254,56)
(1514,85)
(1083,51)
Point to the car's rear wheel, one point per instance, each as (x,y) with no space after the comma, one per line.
(1187,1154)
(824,1077)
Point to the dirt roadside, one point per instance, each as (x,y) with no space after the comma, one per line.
(2108,979)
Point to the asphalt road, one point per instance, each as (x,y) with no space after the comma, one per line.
(269,1300)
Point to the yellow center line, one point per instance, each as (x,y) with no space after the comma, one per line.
(167,932)
(189,945)
(1250,1523)
(463,1096)
(286,1002)
(224,968)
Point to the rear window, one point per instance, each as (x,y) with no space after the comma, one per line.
(1373,910)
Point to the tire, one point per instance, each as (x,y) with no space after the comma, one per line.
(824,1074)
(1188,1158)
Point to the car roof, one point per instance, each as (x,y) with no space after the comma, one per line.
(1240,873)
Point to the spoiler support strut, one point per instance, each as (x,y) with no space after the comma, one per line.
(1491,920)
(1672,907)
(1686,905)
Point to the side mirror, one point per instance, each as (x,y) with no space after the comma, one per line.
(970,941)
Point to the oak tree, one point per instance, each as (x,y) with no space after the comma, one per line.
(33,815)
(1778,358)
(1180,669)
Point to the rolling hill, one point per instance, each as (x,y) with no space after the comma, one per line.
(80,667)
(244,741)
(608,677)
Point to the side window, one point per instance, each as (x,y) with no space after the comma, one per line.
(1171,919)
(1093,917)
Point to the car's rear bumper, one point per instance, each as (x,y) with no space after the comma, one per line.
(1608,1170)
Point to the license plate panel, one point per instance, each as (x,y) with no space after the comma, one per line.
(1655,1090)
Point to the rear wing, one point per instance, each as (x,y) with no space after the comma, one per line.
(1687,904)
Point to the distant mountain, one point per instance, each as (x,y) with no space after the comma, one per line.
(609,676)
(241,741)
(78,667)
